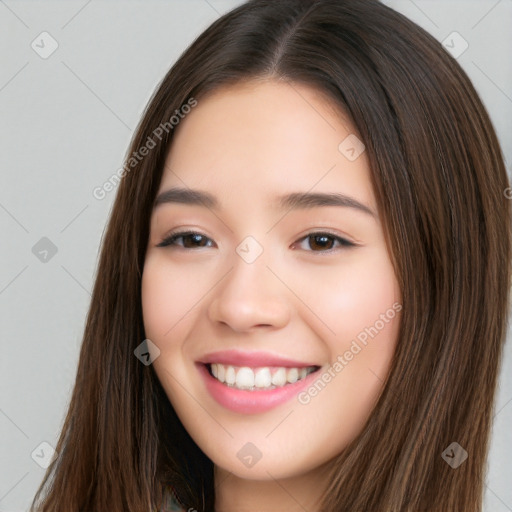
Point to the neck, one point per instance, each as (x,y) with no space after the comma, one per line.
(294,494)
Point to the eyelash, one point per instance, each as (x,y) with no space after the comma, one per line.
(170,241)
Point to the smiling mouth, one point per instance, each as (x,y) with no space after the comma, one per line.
(260,378)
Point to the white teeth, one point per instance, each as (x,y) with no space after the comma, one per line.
(279,378)
(230,375)
(292,375)
(258,378)
(262,378)
(244,378)
(221,372)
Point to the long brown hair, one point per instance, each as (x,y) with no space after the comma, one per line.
(439,178)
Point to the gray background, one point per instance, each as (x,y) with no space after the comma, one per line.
(65,124)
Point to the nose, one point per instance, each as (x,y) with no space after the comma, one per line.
(250,296)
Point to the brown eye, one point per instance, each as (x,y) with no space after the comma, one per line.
(325,242)
(191,240)
(321,241)
(318,242)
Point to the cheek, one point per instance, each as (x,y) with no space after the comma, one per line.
(168,297)
(167,309)
(350,296)
(158,303)
(362,308)
(358,307)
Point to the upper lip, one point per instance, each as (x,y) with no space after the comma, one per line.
(251,359)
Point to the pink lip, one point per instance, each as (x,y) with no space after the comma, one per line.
(251,402)
(251,359)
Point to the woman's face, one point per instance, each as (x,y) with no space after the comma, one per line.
(292,301)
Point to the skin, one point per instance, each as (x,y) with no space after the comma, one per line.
(247,144)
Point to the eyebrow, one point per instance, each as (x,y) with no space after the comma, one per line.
(293,201)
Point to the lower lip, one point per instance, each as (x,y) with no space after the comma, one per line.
(252,402)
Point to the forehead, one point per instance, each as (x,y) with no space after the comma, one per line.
(266,136)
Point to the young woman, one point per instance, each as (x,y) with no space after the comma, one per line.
(302,293)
